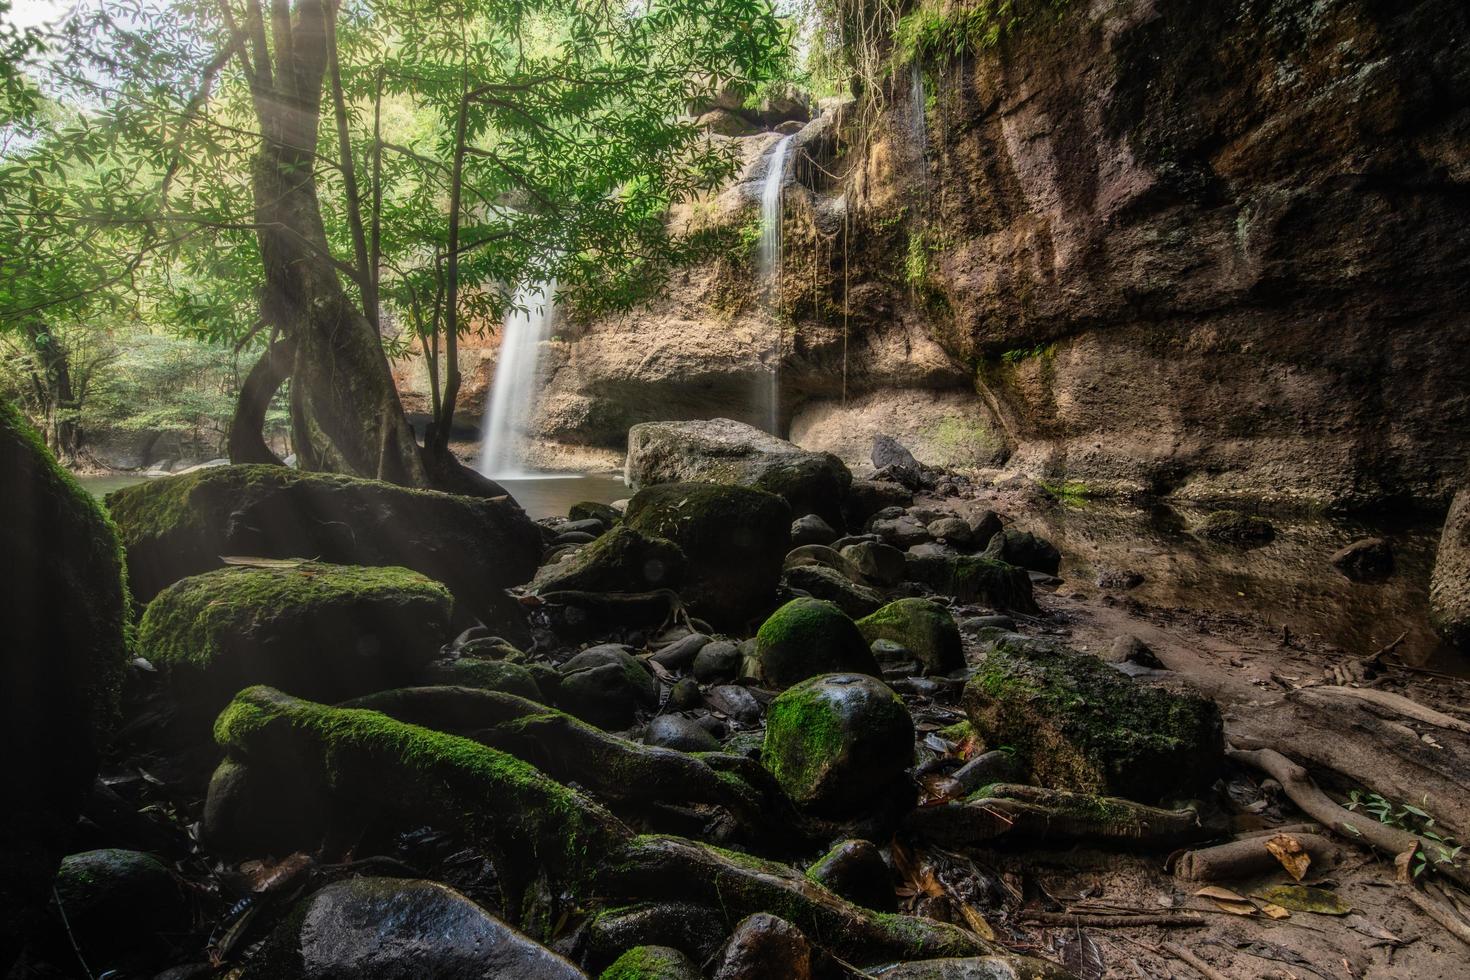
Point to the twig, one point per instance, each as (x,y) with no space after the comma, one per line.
(70,936)
(1198,965)
(1168,919)
(1400,705)
(1446,917)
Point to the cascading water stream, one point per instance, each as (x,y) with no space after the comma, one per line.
(770,273)
(513,392)
(918,125)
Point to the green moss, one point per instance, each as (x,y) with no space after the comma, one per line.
(942,29)
(622,560)
(956,441)
(486,675)
(1080,725)
(807,637)
(1068,491)
(958,732)
(651,963)
(192,620)
(926,628)
(803,737)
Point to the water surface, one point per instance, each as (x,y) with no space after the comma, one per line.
(551,495)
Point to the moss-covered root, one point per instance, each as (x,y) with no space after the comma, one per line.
(672,869)
(533,827)
(621,773)
(1030,813)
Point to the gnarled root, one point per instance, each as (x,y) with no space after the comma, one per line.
(544,838)
(626,776)
(1031,813)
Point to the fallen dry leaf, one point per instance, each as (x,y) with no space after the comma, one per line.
(1289,851)
(1227,900)
(1304,898)
(1275,911)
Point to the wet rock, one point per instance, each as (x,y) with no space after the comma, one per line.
(975,579)
(257,809)
(605,686)
(879,563)
(622,560)
(735,702)
(685,695)
(811,529)
(1077,724)
(1235,528)
(734,539)
(121,908)
(65,612)
(488,675)
(574,537)
(838,741)
(389,927)
(901,532)
(681,653)
(725,451)
(678,732)
(764,947)
(807,637)
(591,510)
(855,869)
(652,963)
(825,583)
(995,766)
(697,931)
(1365,560)
(719,661)
(924,627)
(1449,584)
(1024,550)
(323,632)
(181,525)
(867,497)
(590,525)
(952,530)
(1130,649)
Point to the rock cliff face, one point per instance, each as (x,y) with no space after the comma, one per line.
(1219,251)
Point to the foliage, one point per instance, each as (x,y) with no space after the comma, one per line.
(1416,820)
(1018,354)
(943,29)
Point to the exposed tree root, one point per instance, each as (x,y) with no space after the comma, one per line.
(1446,917)
(1099,921)
(1031,813)
(592,613)
(553,848)
(1244,858)
(1299,787)
(623,774)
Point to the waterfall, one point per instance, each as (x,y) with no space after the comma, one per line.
(918,126)
(513,392)
(770,273)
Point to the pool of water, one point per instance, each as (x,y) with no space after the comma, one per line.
(101,486)
(551,495)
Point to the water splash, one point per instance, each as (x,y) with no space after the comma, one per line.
(514,390)
(770,273)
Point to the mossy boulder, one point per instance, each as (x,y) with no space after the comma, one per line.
(486,675)
(258,810)
(181,525)
(1024,550)
(392,927)
(923,627)
(1078,724)
(592,510)
(606,686)
(855,869)
(622,560)
(807,637)
(837,742)
(121,909)
(66,612)
(821,582)
(972,578)
(734,539)
(327,632)
(725,451)
(652,963)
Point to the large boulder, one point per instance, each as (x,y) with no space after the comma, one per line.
(724,451)
(838,742)
(180,526)
(923,627)
(973,578)
(65,610)
(1449,586)
(324,632)
(733,537)
(392,927)
(652,963)
(622,560)
(1078,724)
(1024,550)
(605,686)
(119,907)
(822,582)
(807,637)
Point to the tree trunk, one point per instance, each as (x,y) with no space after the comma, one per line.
(62,432)
(346,416)
(247,441)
